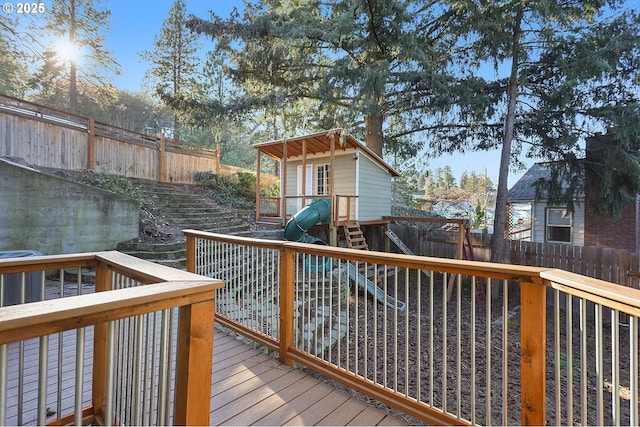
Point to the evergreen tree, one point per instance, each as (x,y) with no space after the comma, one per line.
(13,69)
(363,61)
(573,72)
(78,77)
(174,62)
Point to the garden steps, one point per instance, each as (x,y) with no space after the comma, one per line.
(182,207)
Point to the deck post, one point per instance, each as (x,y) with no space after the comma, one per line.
(190,245)
(532,353)
(287,277)
(194,364)
(100,334)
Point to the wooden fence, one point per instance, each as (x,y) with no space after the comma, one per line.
(46,137)
(612,265)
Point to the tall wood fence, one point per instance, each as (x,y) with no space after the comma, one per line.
(613,265)
(46,137)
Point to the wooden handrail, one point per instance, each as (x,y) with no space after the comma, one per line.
(193,294)
(534,283)
(24,321)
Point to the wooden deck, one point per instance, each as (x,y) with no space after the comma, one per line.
(251,388)
(248,388)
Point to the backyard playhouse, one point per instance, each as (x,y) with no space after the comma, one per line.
(330,183)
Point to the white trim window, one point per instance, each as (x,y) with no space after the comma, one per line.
(323,177)
(558,225)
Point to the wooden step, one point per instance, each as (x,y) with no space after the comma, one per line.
(354,237)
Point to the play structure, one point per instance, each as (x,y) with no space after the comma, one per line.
(297,230)
(316,212)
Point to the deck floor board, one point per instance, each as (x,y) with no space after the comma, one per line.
(248,388)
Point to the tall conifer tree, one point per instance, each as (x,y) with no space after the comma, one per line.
(174,62)
(572,73)
(78,77)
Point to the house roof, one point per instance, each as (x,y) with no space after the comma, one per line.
(524,189)
(319,143)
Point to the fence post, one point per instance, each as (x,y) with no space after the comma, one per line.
(91,146)
(163,159)
(100,334)
(287,277)
(194,364)
(533,353)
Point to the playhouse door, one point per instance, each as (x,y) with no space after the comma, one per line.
(308,187)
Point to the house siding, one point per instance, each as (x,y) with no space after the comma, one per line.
(538,221)
(344,176)
(372,182)
(375,191)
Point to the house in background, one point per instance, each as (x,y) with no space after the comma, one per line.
(552,223)
(329,165)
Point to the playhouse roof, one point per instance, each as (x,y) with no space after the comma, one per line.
(319,143)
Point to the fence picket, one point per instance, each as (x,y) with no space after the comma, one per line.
(612,265)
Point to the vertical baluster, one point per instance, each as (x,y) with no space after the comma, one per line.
(385,287)
(505,349)
(80,334)
(569,351)
(395,329)
(487,366)
(557,349)
(60,348)
(365,326)
(634,419)
(615,366)
(3,376)
(21,360)
(583,361)
(431,325)
(459,345)
(146,375)
(418,297)
(164,375)
(444,342)
(111,372)
(136,402)
(473,350)
(599,366)
(153,326)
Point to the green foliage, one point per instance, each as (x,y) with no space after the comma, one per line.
(354,61)
(123,186)
(238,191)
(13,64)
(228,190)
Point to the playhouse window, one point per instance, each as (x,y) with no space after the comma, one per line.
(558,225)
(324,178)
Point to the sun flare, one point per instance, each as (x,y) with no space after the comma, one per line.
(66,50)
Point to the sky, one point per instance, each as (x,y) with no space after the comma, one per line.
(135,23)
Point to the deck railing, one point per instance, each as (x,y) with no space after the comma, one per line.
(112,351)
(342,209)
(447,341)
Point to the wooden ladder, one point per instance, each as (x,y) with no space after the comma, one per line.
(353,235)
(355,240)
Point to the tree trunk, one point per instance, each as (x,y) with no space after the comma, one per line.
(373,133)
(499,222)
(73,68)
